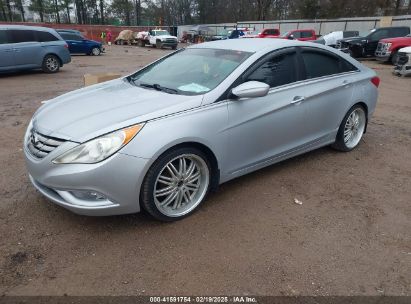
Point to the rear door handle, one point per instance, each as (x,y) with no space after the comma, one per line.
(297,99)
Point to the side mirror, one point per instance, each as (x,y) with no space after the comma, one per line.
(251,89)
(291,37)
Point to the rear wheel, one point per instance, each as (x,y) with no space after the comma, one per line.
(176,184)
(351,129)
(51,64)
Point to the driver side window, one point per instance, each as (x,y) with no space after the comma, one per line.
(277,70)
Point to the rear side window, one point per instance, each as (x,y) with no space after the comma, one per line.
(306,34)
(3,37)
(277,70)
(18,36)
(296,34)
(319,64)
(45,37)
(399,32)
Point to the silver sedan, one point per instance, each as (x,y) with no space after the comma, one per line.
(165,136)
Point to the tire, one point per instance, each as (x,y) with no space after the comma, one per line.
(178,194)
(351,130)
(51,64)
(174,47)
(158,44)
(394,58)
(95,51)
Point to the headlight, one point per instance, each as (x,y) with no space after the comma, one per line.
(99,148)
(387,46)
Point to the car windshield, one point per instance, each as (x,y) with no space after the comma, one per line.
(285,34)
(190,71)
(160,33)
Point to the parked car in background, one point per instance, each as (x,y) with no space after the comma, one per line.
(387,49)
(234,34)
(221,34)
(163,137)
(302,35)
(403,63)
(331,39)
(32,47)
(251,34)
(269,33)
(365,46)
(159,38)
(79,45)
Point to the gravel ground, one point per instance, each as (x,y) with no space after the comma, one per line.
(351,235)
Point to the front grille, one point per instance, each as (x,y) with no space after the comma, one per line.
(40,145)
(342,44)
(170,40)
(379,46)
(402,58)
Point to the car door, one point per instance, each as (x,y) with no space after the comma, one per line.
(329,86)
(372,43)
(6,51)
(261,129)
(26,49)
(75,42)
(306,36)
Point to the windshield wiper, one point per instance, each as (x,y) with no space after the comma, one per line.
(158,87)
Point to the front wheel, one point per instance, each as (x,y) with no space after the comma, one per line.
(394,58)
(351,129)
(176,184)
(51,64)
(158,44)
(95,51)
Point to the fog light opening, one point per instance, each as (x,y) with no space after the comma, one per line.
(92,196)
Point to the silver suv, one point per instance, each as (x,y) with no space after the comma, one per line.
(32,47)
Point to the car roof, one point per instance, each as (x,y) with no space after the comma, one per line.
(251,45)
(26,27)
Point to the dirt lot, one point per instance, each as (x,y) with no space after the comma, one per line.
(351,235)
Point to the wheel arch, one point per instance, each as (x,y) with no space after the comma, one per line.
(54,54)
(211,156)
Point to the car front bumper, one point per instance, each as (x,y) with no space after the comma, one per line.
(115,180)
(383,55)
(403,70)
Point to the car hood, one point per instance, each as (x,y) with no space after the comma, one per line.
(397,39)
(352,39)
(166,36)
(405,50)
(92,111)
(93,41)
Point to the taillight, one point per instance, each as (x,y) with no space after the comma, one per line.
(375,81)
(66,46)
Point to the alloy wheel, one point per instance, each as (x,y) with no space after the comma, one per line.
(354,127)
(181,185)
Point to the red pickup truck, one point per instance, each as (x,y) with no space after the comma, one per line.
(387,49)
(269,33)
(302,35)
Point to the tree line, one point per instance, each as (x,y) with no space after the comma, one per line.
(177,12)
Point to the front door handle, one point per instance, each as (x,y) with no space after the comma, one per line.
(297,99)
(16,50)
(346,83)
